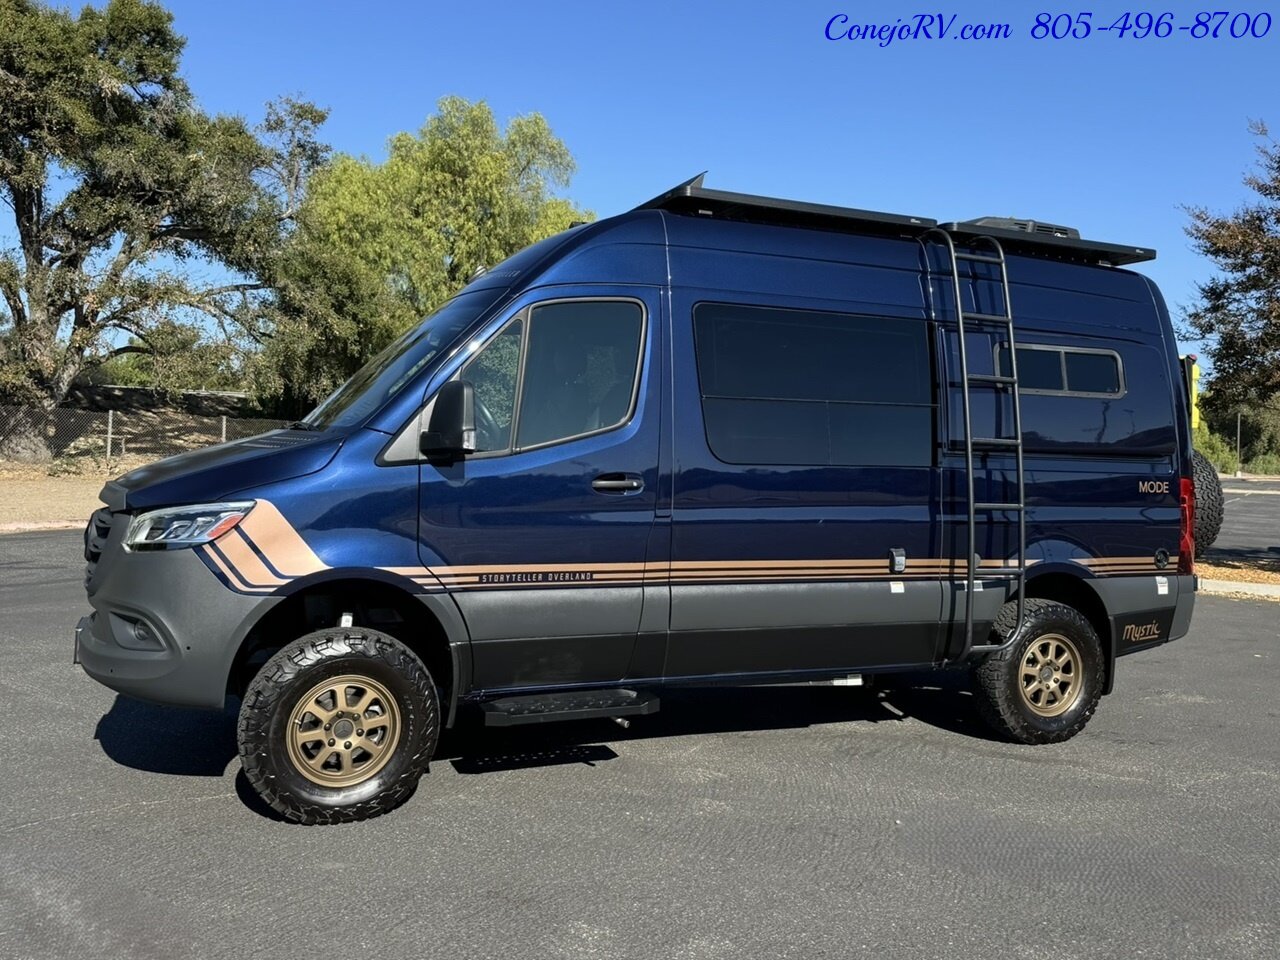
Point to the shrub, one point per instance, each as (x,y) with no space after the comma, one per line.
(1267,464)
(1216,449)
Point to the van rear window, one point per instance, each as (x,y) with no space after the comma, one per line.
(1066,370)
(811,388)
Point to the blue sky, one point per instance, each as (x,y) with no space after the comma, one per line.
(1108,134)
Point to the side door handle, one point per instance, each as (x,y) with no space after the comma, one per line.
(616,483)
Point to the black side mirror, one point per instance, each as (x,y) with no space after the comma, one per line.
(452,429)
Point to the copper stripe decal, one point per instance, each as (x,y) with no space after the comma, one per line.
(275,537)
(265,553)
(233,579)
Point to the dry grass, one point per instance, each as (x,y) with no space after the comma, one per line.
(30,499)
(1246,571)
(1230,595)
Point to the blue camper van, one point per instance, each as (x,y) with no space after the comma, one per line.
(719,438)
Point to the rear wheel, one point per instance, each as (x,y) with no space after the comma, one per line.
(338,726)
(1044,687)
(1209,502)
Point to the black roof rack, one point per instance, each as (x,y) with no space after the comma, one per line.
(1020,239)
(1022,236)
(692,197)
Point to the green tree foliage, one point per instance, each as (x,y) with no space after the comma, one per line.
(1219,452)
(119,188)
(379,245)
(1259,431)
(1238,313)
(176,357)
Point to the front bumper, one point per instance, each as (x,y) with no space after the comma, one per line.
(163,627)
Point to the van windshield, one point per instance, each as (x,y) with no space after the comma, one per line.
(382,377)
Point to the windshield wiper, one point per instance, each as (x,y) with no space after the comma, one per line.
(303,425)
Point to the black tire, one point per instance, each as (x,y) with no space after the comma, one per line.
(998,678)
(1209,502)
(280,687)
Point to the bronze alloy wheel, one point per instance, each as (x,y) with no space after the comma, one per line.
(1051,676)
(343,731)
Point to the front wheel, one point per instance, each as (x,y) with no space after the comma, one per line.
(1044,687)
(338,726)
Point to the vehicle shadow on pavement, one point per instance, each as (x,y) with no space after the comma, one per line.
(941,700)
(195,743)
(173,740)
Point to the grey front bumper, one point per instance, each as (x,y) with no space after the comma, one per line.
(164,628)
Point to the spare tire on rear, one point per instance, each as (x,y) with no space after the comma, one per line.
(1208,502)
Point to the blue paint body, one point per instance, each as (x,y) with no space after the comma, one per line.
(414,524)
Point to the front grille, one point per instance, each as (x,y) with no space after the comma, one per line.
(95,538)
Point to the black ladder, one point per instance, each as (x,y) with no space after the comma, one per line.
(1001,324)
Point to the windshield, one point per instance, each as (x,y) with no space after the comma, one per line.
(378,380)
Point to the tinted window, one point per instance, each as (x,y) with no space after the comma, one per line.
(802,387)
(581,369)
(1043,368)
(1092,373)
(573,365)
(1037,369)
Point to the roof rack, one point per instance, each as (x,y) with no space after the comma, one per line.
(1024,236)
(693,198)
(1026,239)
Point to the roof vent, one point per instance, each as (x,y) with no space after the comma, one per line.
(1026,226)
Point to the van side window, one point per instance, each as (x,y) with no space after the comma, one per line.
(567,371)
(580,372)
(809,388)
(1066,371)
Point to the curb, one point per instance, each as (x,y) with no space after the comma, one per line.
(1236,587)
(40,526)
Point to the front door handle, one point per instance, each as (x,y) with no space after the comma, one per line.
(617,483)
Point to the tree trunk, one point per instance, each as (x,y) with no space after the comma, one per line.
(24,434)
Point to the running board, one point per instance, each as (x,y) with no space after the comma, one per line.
(578,705)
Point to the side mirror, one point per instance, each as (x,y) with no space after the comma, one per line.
(452,429)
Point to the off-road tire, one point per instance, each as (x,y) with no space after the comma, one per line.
(1209,503)
(996,678)
(287,676)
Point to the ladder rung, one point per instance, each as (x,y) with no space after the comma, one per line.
(987,317)
(994,379)
(997,506)
(978,257)
(996,441)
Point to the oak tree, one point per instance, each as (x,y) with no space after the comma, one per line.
(1237,314)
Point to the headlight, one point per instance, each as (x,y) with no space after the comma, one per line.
(175,527)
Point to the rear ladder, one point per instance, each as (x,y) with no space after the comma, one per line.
(1001,324)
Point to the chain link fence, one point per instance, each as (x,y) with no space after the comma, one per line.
(85,441)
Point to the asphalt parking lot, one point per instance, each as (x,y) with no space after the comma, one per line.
(786,822)
(1250,522)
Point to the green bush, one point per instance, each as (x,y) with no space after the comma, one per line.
(1219,452)
(1268,464)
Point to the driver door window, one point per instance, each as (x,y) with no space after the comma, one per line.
(568,371)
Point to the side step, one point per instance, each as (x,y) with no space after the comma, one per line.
(580,705)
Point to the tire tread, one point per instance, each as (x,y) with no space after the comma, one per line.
(998,700)
(271,686)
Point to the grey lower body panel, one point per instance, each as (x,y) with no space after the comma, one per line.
(768,628)
(164,628)
(535,636)
(1146,611)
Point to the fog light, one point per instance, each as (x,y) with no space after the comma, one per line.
(134,633)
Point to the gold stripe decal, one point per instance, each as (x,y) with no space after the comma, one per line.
(265,553)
